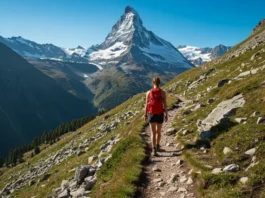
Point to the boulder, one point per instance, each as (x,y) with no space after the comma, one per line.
(64,194)
(219,114)
(89,182)
(81,172)
(231,168)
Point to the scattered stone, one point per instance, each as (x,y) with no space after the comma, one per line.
(64,184)
(231,168)
(254,114)
(183,179)
(240,120)
(80,152)
(251,152)
(156,169)
(217,170)
(227,150)
(170,144)
(81,172)
(162,194)
(179,162)
(172,189)
(170,131)
(185,132)
(222,82)
(91,159)
(187,112)
(243,180)
(260,120)
(44,177)
(181,189)
(190,181)
(161,184)
(64,194)
(210,100)
(173,178)
(157,180)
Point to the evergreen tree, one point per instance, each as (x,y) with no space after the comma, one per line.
(37,150)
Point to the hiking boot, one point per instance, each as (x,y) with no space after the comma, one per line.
(154,153)
(158,148)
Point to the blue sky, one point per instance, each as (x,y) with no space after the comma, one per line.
(68,23)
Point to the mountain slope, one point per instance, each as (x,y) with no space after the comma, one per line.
(130,40)
(198,56)
(134,55)
(31,102)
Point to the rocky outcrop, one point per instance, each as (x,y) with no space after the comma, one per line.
(221,112)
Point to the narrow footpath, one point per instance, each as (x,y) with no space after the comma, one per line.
(166,175)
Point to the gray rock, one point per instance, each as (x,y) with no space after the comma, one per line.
(187,112)
(64,194)
(90,182)
(81,172)
(78,193)
(240,120)
(260,120)
(251,152)
(44,177)
(190,181)
(254,114)
(157,180)
(222,111)
(170,131)
(222,82)
(243,180)
(172,189)
(227,150)
(92,158)
(210,100)
(64,184)
(231,168)
(217,170)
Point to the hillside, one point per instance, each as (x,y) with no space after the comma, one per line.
(219,133)
(31,102)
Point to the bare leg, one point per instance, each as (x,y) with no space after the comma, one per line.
(158,133)
(153,134)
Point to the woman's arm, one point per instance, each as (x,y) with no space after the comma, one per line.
(165,105)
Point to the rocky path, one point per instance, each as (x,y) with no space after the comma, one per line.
(167,175)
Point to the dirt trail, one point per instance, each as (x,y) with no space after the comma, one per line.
(166,175)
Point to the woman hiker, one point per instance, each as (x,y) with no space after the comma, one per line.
(155,110)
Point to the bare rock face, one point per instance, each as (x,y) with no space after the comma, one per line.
(222,111)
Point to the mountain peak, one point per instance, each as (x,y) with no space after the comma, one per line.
(130,9)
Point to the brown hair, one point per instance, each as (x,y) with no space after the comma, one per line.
(156,81)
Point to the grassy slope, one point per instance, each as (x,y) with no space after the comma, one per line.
(240,137)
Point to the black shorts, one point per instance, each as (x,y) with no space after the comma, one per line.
(158,118)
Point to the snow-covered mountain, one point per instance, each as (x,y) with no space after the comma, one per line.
(130,40)
(199,56)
